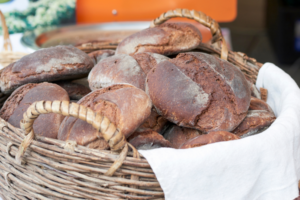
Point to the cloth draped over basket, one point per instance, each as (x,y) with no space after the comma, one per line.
(264,166)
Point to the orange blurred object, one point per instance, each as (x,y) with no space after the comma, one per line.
(99,11)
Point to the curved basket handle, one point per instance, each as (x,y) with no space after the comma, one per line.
(109,131)
(199,17)
(6,41)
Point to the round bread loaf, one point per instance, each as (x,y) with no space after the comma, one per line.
(124,69)
(148,140)
(16,105)
(258,104)
(154,122)
(50,64)
(200,91)
(255,122)
(178,135)
(254,91)
(97,56)
(165,39)
(124,105)
(75,91)
(212,137)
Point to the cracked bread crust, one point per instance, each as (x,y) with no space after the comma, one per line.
(147,140)
(198,88)
(75,90)
(212,137)
(51,64)
(46,124)
(123,68)
(99,55)
(255,122)
(124,105)
(165,39)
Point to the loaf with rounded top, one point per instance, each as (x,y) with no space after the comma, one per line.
(212,137)
(124,68)
(258,104)
(200,91)
(50,64)
(177,135)
(147,140)
(17,104)
(165,39)
(255,122)
(75,90)
(124,105)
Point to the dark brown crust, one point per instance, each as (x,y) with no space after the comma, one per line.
(97,56)
(46,124)
(178,135)
(154,122)
(51,64)
(123,68)
(212,137)
(255,121)
(258,104)
(197,88)
(165,39)
(118,104)
(148,140)
(75,91)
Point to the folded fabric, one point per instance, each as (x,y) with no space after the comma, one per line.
(263,166)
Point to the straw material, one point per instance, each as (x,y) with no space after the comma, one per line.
(8,56)
(35,167)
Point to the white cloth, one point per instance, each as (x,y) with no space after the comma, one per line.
(261,167)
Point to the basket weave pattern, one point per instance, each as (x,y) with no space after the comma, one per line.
(36,167)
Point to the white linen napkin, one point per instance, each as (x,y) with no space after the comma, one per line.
(264,166)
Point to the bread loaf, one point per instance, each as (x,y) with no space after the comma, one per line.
(123,69)
(16,105)
(99,55)
(50,64)
(75,91)
(255,122)
(212,137)
(148,140)
(165,39)
(124,105)
(258,104)
(197,90)
(178,135)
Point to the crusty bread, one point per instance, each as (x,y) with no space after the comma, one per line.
(197,90)
(75,91)
(50,64)
(16,105)
(212,137)
(258,104)
(165,39)
(123,68)
(124,105)
(99,55)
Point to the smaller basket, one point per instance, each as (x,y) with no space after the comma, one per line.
(8,56)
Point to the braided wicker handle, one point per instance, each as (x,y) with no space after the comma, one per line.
(6,43)
(199,17)
(108,130)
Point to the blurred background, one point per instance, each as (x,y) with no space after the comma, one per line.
(268,30)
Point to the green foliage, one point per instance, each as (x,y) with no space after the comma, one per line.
(39,15)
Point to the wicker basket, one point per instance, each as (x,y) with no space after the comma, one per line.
(8,56)
(34,167)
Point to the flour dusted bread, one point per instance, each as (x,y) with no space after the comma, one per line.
(124,105)
(177,135)
(255,122)
(149,139)
(212,137)
(50,64)
(99,55)
(75,90)
(165,39)
(200,91)
(16,105)
(124,69)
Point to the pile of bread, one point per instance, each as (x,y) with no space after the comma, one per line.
(156,88)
